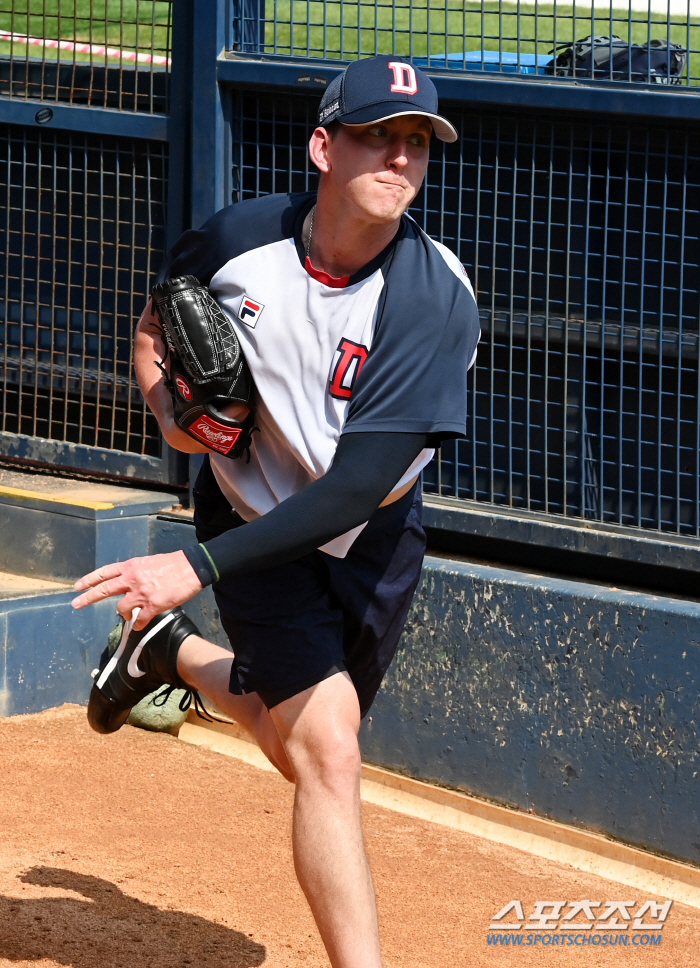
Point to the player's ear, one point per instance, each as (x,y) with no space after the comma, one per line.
(319,149)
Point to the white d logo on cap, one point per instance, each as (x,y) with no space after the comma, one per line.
(404,78)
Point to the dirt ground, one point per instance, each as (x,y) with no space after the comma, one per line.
(140,851)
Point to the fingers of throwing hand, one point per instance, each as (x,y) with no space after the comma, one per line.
(155,583)
(99,575)
(117,586)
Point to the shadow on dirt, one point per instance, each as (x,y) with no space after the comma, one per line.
(110,928)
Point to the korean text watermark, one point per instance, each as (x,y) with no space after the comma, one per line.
(585,923)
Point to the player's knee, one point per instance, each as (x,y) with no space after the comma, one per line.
(330,761)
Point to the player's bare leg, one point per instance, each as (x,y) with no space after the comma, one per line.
(319,728)
(312,740)
(207,667)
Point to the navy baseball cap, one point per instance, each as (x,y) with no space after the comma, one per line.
(379,88)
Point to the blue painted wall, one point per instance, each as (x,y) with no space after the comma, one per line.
(577,701)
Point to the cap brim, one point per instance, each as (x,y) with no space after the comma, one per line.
(441,126)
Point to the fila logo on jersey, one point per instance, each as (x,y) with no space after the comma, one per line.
(347,364)
(183,387)
(249,311)
(405,81)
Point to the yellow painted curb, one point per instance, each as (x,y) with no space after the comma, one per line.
(55,499)
(544,838)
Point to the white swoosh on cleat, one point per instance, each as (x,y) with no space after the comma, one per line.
(132,668)
(112,664)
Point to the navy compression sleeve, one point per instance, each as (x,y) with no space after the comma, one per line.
(365,469)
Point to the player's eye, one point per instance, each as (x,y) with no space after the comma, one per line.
(418,139)
(378,131)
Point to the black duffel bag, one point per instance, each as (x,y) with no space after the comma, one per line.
(615,59)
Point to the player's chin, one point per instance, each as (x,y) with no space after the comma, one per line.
(388,204)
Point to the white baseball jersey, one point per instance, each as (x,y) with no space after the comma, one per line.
(387,349)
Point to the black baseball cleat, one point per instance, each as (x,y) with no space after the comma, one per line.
(141,663)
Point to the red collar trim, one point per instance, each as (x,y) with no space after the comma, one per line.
(334,282)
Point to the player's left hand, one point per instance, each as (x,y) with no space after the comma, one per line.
(154,584)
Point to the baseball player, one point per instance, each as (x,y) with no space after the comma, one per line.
(358,331)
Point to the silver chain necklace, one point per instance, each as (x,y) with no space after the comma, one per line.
(311,231)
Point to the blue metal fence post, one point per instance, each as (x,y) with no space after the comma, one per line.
(179,122)
(210,129)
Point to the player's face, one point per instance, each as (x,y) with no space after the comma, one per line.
(380,167)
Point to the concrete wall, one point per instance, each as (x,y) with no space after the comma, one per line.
(575,701)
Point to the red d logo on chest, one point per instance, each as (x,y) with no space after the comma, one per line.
(347,363)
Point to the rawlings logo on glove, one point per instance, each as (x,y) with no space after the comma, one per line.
(209,381)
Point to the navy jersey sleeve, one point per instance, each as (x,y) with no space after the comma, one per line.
(414,379)
(231,232)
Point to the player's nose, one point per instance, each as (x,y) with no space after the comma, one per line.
(397,154)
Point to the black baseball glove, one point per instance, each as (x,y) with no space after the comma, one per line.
(207,367)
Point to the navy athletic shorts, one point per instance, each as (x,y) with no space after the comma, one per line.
(296,624)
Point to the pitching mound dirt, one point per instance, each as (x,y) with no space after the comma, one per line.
(138,851)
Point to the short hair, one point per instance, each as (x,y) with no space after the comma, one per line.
(333,128)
